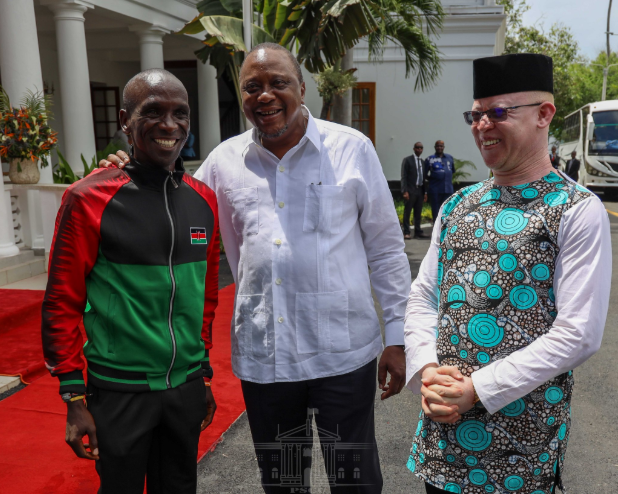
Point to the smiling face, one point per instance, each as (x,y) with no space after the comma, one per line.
(518,140)
(158,125)
(272,96)
(439,147)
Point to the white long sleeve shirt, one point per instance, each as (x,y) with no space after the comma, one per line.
(299,234)
(582,282)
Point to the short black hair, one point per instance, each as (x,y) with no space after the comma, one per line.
(276,47)
(129,97)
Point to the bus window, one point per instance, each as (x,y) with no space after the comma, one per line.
(572,127)
(604,141)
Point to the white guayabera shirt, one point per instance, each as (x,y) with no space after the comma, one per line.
(299,234)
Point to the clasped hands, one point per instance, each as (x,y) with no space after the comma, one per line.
(446,393)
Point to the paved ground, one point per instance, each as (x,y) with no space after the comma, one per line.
(591,464)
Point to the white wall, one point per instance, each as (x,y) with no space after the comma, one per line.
(473,29)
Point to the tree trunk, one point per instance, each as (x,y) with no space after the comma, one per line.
(342,105)
(325,106)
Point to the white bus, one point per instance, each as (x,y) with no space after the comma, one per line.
(592,132)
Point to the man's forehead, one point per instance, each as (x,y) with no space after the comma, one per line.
(161,93)
(271,62)
(510,99)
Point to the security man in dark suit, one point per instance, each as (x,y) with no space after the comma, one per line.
(572,167)
(439,168)
(554,158)
(413,190)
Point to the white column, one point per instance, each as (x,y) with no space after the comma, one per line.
(74,80)
(208,101)
(20,63)
(150,46)
(20,66)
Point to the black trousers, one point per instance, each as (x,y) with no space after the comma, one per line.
(151,435)
(280,420)
(436,201)
(414,203)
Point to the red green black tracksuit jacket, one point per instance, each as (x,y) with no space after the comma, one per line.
(136,255)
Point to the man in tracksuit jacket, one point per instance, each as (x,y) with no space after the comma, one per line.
(135,254)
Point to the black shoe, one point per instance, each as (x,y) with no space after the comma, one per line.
(420,235)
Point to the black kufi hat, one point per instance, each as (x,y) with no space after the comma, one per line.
(513,73)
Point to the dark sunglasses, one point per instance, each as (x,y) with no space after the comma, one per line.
(494,114)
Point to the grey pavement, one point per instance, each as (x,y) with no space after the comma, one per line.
(592,460)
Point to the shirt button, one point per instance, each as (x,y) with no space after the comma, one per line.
(278,281)
(278,241)
(280,319)
(281,204)
(281,168)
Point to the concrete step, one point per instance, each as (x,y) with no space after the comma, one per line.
(21,258)
(19,272)
(8,382)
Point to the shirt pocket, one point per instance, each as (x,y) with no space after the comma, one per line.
(323,208)
(251,326)
(244,204)
(322,322)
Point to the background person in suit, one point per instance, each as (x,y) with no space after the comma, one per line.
(572,166)
(439,168)
(413,190)
(554,158)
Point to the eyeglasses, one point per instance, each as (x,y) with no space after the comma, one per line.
(494,114)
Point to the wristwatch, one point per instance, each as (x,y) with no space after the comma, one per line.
(70,397)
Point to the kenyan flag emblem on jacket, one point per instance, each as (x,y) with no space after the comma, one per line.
(198,235)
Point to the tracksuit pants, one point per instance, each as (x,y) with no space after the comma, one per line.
(151,435)
(343,406)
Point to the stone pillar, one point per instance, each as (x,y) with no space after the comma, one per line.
(20,66)
(20,63)
(208,101)
(150,46)
(74,80)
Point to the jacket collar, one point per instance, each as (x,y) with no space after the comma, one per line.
(153,176)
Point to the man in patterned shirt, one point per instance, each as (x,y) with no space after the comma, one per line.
(512,295)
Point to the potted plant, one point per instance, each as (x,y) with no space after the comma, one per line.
(25,136)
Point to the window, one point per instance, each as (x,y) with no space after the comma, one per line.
(357,473)
(275,473)
(341,457)
(363,109)
(356,457)
(105,107)
(572,127)
(340,473)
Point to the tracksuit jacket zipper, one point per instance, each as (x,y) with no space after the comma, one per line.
(169,320)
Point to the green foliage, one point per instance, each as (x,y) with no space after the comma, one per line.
(588,81)
(425,213)
(64,173)
(333,82)
(322,31)
(459,174)
(559,44)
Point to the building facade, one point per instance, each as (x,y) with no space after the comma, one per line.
(83,52)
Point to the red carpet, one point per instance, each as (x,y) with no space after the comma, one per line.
(20,333)
(34,458)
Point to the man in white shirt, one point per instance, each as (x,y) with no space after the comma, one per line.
(512,295)
(305,210)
